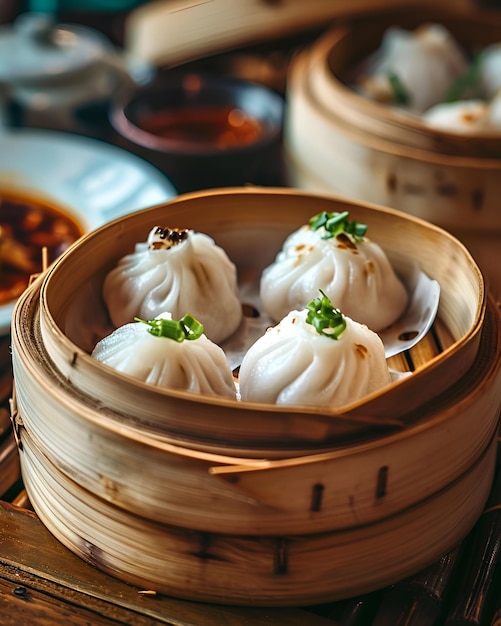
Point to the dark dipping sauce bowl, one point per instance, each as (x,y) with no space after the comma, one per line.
(204,132)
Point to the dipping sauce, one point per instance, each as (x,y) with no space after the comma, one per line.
(204,126)
(27,226)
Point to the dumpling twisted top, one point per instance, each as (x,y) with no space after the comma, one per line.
(354,273)
(293,364)
(198,366)
(179,271)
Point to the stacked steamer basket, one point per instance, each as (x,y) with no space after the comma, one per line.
(245,503)
(337,140)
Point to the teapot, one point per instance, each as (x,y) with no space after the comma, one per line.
(57,76)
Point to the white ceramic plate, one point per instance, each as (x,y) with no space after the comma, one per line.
(95,181)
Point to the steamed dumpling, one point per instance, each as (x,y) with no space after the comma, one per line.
(352,271)
(461,116)
(423,63)
(293,364)
(197,365)
(177,271)
(465,116)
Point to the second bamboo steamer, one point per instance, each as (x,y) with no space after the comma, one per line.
(338,141)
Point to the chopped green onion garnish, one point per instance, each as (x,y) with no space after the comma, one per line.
(400,93)
(326,319)
(336,223)
(186,328)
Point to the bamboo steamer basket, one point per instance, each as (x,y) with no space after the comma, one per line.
(338,141)
(160,487)
(271,571)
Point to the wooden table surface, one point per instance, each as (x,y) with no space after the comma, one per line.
(41,582)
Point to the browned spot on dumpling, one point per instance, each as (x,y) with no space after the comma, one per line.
(369,268)
(344,242)
(468,117)
(166,238)
(301,250)
(361,350)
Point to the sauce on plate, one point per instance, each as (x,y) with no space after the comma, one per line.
(27,226)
